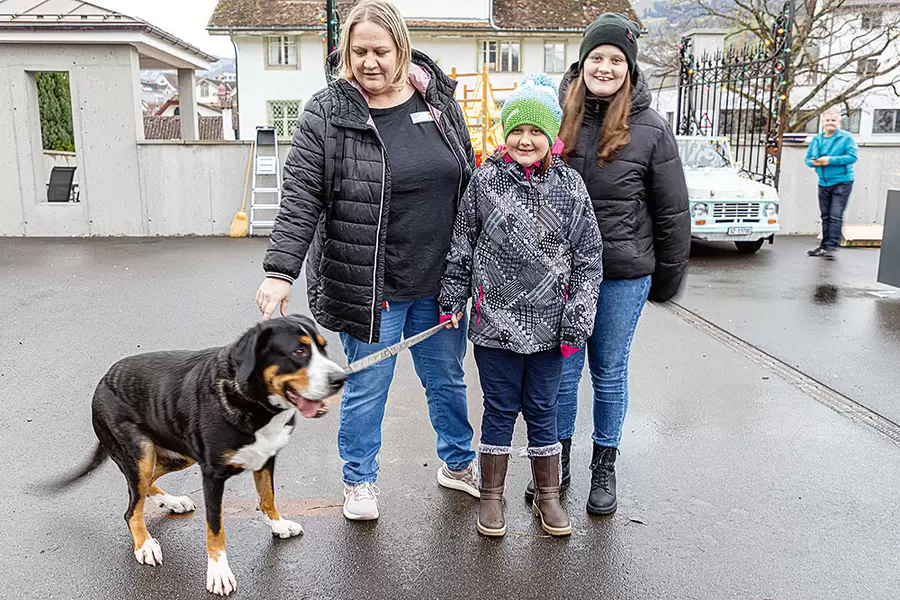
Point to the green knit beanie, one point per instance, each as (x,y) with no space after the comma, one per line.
(535,102)
(616,30)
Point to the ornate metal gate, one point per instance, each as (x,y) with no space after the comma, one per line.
(742,95)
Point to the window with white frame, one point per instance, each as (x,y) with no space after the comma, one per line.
(554,57)
(281,51)
(887,120)
(850,122)
(501,56)
(870,20)
(866,66)
(283,116)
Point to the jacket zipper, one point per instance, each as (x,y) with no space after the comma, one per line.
(478,305)
(377,242)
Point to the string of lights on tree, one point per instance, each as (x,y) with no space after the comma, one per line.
(336,21)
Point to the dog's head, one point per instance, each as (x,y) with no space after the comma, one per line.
(284,359)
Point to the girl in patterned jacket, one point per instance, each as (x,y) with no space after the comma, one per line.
(526,247)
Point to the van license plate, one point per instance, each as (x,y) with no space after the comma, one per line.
(740,230)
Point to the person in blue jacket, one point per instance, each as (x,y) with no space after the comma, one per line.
(832,154)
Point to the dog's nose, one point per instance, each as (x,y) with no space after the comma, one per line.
(337,378)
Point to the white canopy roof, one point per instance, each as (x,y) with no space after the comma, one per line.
(78,22)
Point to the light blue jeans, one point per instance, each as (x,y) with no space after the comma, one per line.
(618,308)
(439,365)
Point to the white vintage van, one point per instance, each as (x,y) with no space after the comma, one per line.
(726,205)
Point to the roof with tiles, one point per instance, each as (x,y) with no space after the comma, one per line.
(509,15)
(169,128)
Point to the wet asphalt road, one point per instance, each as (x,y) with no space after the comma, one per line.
(733,483)
(830,319)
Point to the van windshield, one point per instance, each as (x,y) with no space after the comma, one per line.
(704,153)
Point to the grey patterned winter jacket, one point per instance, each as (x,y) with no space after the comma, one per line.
(529,252)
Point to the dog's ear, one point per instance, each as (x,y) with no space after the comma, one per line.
(245,351)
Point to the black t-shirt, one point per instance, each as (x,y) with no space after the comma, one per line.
(425,178)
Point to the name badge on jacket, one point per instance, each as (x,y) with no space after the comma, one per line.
(421,117)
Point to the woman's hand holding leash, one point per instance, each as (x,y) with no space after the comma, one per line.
(273,293)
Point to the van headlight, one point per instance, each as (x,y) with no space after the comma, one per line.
(699,210)
(771,210)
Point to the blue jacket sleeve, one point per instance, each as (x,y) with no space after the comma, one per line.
(812,152)
(847,155)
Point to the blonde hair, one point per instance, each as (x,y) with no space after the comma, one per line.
(384,14)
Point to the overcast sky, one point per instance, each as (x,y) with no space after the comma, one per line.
(185,19)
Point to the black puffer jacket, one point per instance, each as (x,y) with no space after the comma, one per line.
(336,198)
(640,197)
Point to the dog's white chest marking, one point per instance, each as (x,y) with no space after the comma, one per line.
(269,440)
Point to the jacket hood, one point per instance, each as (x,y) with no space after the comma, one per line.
(436,87)
(641,96)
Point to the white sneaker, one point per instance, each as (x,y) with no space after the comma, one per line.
(360,501)
(464,481)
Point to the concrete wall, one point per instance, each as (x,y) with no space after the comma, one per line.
(105,90)
(877,171)
(192,188)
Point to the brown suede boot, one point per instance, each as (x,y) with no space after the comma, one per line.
(492,468)
(545,470)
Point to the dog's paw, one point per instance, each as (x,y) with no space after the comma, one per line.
(150,553)
(284,528)
(219,578)
(175,504)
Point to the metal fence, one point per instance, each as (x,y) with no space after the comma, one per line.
(740,94)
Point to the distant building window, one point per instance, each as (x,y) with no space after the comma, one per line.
(283,116)
(281,51)
(866,66)
(500,56)
(870,20)
(737,122)
(670,117)
(887,120)
(850,122)
(810,124)
(554,57)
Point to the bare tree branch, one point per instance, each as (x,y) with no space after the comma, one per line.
(830,52)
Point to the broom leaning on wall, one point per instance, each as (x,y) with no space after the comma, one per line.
(240,225)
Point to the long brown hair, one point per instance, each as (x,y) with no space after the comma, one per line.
(615,133)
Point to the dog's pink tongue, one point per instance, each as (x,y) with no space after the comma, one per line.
(308,408)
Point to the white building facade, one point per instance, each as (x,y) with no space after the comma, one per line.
(281,53)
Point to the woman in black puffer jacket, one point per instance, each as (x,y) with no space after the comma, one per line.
(376,170)
(627,156)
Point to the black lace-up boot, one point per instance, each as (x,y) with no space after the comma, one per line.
(602,499)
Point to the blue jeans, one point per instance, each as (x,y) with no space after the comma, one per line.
(832,204)
(439,365)
(618,308)
(514,382)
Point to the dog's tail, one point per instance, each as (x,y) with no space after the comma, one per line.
(59,485)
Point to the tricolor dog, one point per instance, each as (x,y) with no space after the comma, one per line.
(228,409)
